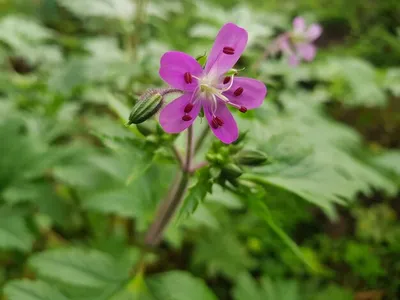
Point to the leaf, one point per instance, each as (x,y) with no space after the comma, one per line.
(260,208)
(31,290)
(312,155)
(354,81)
(121,9)
(86,268)
(196,194)
(247,288)
(222,252)
(392,81)
(14,233)
(178,285)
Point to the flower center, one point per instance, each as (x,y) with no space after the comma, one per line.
(211,88)
(298,37)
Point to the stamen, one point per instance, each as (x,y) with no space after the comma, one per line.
(242,109)
(228,50)
(230,85)
(214,104)
(188,77)
(220,122)
(186,118)
(188,108)
(226,80)
(238,91)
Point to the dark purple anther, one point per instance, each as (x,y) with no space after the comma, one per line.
(238,91)
(228,50)
(188,77)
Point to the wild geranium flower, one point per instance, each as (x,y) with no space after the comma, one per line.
(298,44)
(210,88)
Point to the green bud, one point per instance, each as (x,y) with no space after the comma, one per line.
(146,108)
(202,59)
(232,171)
(233,72)
(251,158)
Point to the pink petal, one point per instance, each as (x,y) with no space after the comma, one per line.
(253,94)
(306,51)
(231,36)
(229,131)
(313,32)
(299,24)
(171,115)
(293,60)
(285,45)
(174,65)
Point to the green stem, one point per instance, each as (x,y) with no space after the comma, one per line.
(265,214)
(201,139)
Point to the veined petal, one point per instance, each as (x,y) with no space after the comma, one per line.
(171,115)
(299,24)
(229,131)
(253,95)
(173,67)
(306,51)
(313,32)
(227,49)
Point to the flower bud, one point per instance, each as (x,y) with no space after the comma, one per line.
(251,158)
(146,107)
(233,72)
(202,59)
(231,171)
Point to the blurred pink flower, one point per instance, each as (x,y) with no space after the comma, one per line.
(210,88)
(298,44)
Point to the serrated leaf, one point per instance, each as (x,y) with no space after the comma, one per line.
(178,285)
(32,290)
(222,253)
(87,268)
(247,288)
(196,194)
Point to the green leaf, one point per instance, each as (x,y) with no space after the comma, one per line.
(86,268)
(178,285)
(32,290)
(121,9)
(196,194)
(247,288)
(222,253)
(14,233)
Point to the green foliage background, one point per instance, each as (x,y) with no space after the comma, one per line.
(78,189)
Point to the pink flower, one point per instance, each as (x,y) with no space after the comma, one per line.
(210,88)
(298,44)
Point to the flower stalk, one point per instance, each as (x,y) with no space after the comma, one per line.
(169,206)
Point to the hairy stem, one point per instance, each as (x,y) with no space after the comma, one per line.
(170,204)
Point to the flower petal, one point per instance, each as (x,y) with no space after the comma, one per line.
(174,65)
(253,95)
(306,51)
(231,36)
(293,60)
(229,131)
(171,115)
(299,24)
(313,32)
(284,45)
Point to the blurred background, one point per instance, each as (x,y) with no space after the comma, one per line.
(78,189)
